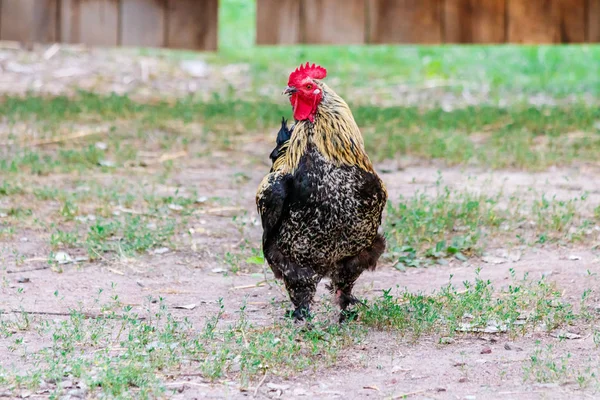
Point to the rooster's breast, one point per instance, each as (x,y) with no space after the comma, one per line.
(333,212)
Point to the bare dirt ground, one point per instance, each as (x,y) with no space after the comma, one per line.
(482,366)
(383,365)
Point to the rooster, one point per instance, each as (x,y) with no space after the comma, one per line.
(322,202)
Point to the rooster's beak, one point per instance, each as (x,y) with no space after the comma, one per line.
(290,90)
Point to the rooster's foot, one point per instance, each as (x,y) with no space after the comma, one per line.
(299,314)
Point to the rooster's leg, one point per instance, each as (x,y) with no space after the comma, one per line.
(349,270)
(301,284)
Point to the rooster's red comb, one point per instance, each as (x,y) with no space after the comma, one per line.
(303,71)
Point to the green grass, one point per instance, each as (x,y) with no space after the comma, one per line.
(518,136)
(121,352)
(131,235)
(429,227)
(476,307)
(98,219)
(549,364)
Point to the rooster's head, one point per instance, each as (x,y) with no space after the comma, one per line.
(304,90)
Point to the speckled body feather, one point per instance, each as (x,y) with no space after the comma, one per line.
(321,206)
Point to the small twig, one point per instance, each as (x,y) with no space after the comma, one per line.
(165,157)
(186,383)
(130,211)
(61,314)
(220,211)
(28,270)
(400,396)
(36,259)
(258,284)
(51,51)
(53,140)
(260,383)
(523,392)
(244,337)
(115,271)
(172,156)
(176,374)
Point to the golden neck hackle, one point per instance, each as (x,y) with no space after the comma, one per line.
(334,133)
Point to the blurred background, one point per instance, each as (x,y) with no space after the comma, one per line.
(393,84)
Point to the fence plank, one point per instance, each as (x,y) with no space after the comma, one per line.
(593,22)
(474,21)
(572,15)
(93,22)
(405,21)
(143,23)
(277,21)
(68,13)
(99,22)
(333,21)
(29,20)
(546,21)
(192,24)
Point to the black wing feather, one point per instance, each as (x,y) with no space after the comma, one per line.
(283,136)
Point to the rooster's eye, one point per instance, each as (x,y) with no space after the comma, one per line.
(309,87)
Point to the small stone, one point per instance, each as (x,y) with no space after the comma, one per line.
(470,397)
(201,199)
(186,307)
(574,257)
(196,68)
(23,280)
(493,260)
(63,258)
(161,250)
(299,392)
(79,393)
(463,379)
(447,340)
(486,350)
(514,256)
(276,386)
(547,385)
(511,346)
(106,163)
(565,335)
(175,207)
(101,146)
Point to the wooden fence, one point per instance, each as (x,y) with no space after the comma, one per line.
(187,24)
(192,24)
(427,21)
